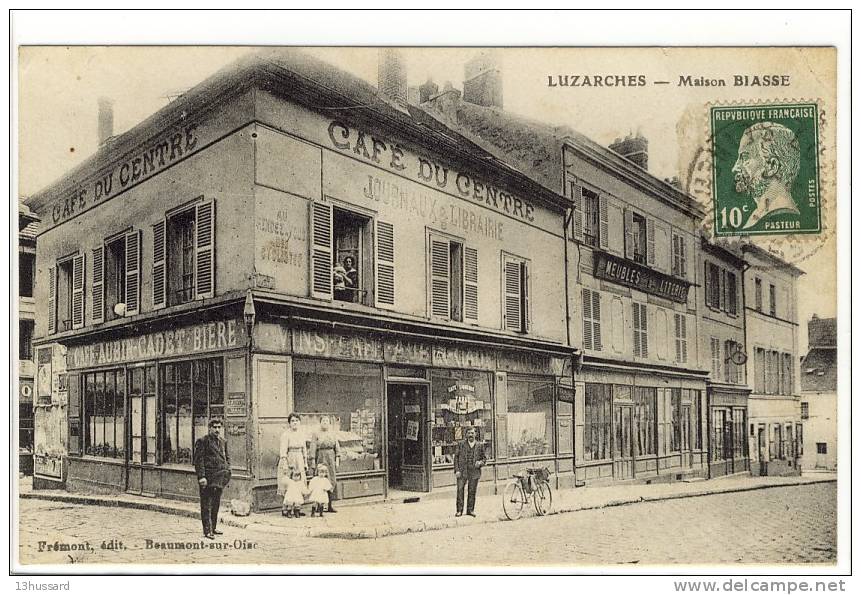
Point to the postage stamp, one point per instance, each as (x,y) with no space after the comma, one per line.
(766,169)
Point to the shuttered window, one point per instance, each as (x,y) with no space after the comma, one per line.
(133,265)
(321,250)
(159,265)
(716,359)
(78,291)
(592,320)
(385,265)
(515,282)
(205,250)
(97,287)
(577,214)
(470,284)
(52,300)
(681,325)
(641,337)
(452,279)
(680,257)
(440,277)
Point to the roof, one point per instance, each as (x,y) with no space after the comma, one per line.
(291,73)
(721,249)
(819,370)
(537,147)
(30,231)
(775,259)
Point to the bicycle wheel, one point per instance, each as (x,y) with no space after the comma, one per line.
(513,500)
(543,498)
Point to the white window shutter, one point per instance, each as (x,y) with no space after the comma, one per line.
(596,320)
(512,278)
(644,337)
(684,336)
(133,275)
(524,280)
(159,265)
(604,227)
(588,334)
(629,234)
(470,284)
(98,285)
(636,327)
(78,291)
(650,241)
(577,215)
(52,300)
(439,260)
(204,250)
(384,293)
(683,256)
(321,250)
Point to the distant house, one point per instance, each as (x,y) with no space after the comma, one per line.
(819,395)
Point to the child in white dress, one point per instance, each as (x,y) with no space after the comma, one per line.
(294,494)
(320,486)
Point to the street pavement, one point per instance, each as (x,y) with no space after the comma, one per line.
(779,525)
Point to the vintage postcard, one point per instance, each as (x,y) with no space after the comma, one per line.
(377,306)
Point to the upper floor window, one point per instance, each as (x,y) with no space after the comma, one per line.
(758,294)
(352,256)
(641,334)
(25,339)
(680,256)
(66,294)
(639,239)
(591,218)
(716,357)
(26,271)
(681,326)
(733,372)
(453,279)
(515,289)
(721,290)
(805,410)
(591,320)
(183,256)
(115,281)
(772,300)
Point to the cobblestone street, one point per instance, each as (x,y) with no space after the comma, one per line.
(774,526)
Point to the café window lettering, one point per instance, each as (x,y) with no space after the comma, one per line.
(184,255)
(453,282)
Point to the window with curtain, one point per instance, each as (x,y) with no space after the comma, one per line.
(530,417)
(676,413)
(645,419)
(104,413)
(192,393)
(596,421)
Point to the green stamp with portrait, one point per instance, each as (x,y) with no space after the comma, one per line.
(766,169)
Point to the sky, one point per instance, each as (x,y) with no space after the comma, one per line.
(59,88)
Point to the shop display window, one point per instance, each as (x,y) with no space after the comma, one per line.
(460,399)
(645,419)
(104,413)
(351,395)
(192,392)
(597,420)
(530,417)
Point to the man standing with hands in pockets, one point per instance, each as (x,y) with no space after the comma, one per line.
(469,458)
(212,464)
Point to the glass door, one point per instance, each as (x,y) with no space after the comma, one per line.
(142,429)
(623,453)
(409,437)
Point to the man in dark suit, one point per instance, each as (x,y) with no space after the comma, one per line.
(212,464)
(469,458)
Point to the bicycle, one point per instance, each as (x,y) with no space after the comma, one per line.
(532,484)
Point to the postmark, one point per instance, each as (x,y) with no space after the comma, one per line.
(765,169)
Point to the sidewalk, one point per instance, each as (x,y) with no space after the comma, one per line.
(396,518)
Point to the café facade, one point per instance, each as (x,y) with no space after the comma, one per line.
(283,239)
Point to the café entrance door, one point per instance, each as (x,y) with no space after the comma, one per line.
(408,447)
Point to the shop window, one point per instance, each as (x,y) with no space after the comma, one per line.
(142,415)
(719,419)
(645,419)
(799,439)
(676,417)
(758,294)
(738,441)
(184,256)
(26,272)
(640,329)
(192,394)
(681,331)
(821,448)
(25,339)
(349,393)
(680,256)
(529,421)
(596,421)
(104,414)
(697,418)
(515,283)
(591,218)
(788,451)
(453,279)
(591,320)
(460,399)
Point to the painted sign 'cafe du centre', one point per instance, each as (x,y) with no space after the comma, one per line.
(255,249)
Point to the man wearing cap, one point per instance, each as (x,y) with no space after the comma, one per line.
(212,464)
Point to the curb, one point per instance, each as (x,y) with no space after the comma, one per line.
(393,530)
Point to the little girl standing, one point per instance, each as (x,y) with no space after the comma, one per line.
(320,486)
(294,494)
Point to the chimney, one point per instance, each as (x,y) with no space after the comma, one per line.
(392,75)
(106,119)
(428,90)
(634,149)
(822,332)
(482,81)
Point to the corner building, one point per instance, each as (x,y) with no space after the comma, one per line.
(258,191)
